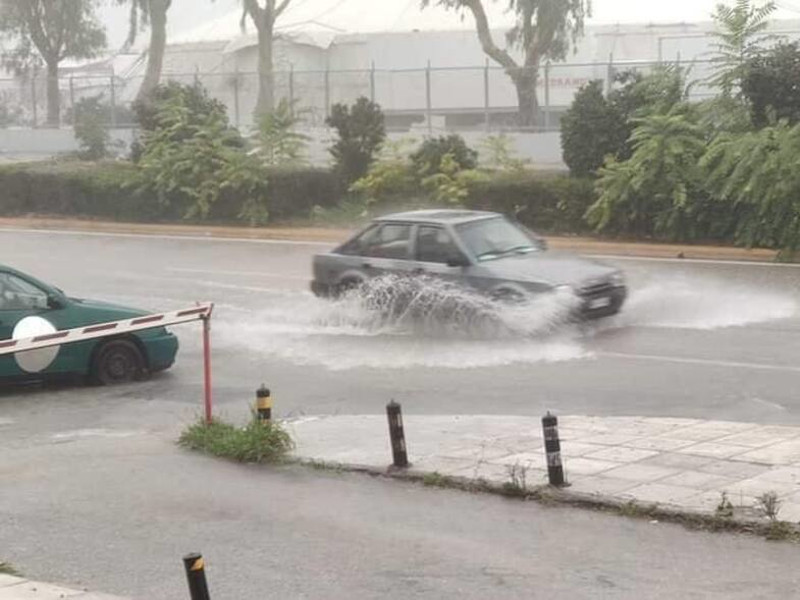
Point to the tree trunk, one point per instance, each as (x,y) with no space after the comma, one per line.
(266,76)
(528,102)
(158,45)
(53,95)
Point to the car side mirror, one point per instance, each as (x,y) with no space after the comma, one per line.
(54,302)
(458,261)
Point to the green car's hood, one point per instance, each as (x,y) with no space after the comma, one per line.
(555,268)
(97,311)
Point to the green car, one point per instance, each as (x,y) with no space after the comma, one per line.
(29,307)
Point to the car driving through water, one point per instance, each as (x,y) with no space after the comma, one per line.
(485,251)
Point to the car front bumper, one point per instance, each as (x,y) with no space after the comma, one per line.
(603,303)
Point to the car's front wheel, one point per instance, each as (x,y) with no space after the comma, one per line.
(118,361)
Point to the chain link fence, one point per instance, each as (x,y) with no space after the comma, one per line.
(479,98)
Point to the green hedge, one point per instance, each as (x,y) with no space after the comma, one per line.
(73,188)
(547,203)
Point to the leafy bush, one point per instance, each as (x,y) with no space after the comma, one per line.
(772,85)
(276,141)
(193,160)
(361,132)
(450,184)
(548,203)
(654,192)
(390,177)
(90,128)
(591,129)
(256,442)
(500,155)
(427,160)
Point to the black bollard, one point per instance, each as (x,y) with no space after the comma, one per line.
(196,576)
(264,404)
(552,448)
(394,413)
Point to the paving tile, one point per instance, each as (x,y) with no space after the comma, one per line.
(782,453)
(755,486)
(784,475)
(585,466)
(640,473)
(477,452)
(698,480)
(601,485)
(7,580)
(528,459)
(733,469)
(708,431)
(575,449)
(622,454)
(610,439)
(33,590)
(661,493)
(658,443)
(760,437)
(713,450)
(677,461)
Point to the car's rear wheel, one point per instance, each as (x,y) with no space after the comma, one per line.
(118,361)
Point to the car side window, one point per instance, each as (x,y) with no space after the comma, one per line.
(18,294)
(388,241)
(434,244)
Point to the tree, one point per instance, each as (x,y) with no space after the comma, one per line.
(591,129)
(53,30)
(740,37)
(152,13)
(771,85)
(428,158)
(361,132)
(275,139)
(544,30)
(264,18)
(655,191)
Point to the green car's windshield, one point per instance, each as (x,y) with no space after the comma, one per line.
(494,238)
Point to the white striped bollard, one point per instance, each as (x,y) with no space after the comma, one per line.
(552,448)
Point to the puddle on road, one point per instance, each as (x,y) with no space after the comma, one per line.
(440,326)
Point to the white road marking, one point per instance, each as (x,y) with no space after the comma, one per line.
(701,261)
(246,273)
(701,362)
(88,433)
(769,404)
(160,236)
(223,239)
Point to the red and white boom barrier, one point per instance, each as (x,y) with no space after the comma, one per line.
(201,312)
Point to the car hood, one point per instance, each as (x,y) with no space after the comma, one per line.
(106,310)
(556,268)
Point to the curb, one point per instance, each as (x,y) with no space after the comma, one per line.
(19,588)
(551,496)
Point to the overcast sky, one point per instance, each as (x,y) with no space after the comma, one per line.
(360,15)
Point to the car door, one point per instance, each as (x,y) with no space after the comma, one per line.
(438,255)
(24,304)
(381,250)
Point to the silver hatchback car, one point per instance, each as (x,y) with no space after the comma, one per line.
(481,250)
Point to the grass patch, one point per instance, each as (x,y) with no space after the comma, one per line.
(8,569)
(436,479)
(256,442)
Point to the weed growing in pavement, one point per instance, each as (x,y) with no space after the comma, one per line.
(436,479)
(256,442)
(8,569)
(769,504)
(724,508)
(518,481)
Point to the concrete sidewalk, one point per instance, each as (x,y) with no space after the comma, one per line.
(17,588)
(683,464)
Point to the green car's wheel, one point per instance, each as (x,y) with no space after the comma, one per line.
(118,361)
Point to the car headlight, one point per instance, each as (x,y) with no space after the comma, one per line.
(564,289)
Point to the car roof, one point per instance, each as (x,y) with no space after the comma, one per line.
(439,216)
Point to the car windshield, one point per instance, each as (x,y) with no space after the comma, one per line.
(489,239)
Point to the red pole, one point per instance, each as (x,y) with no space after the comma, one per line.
(207,365)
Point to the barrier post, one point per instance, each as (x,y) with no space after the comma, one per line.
(196,576)
(207,366)
(394,413)
(264,405)
(552,448)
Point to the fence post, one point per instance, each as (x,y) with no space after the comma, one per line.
(236,107)
(291,89)
(264,404)
(372,81)
(547,96)
(610,73)
(196,576)
(486,95)
(327,92)
(113,101)
(552,448)
(428,97)
(72,97)
(35,114)
(397,435)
